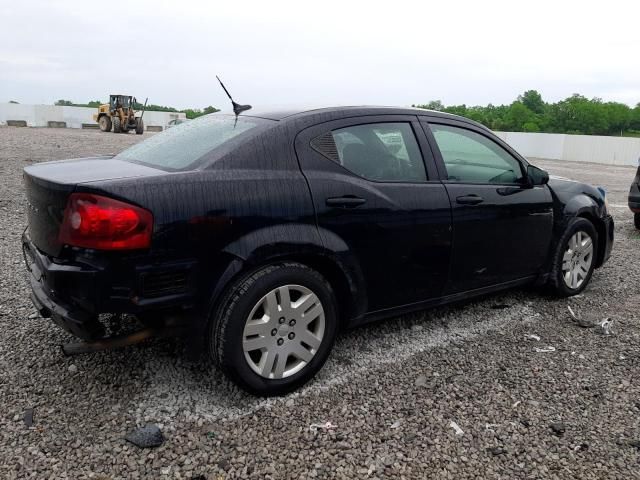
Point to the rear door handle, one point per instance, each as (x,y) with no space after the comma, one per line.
(470,199)
(347,201)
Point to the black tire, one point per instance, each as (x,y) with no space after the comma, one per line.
(636,220)
(139,127)
(226,326)
(117,128)
(556,281)
(105,123)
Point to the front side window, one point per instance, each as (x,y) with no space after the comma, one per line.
(472,158)
(180,147)
(385,152)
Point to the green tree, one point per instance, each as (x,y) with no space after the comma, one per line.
(432,105)
(634,122)
(457,110)
(477,114)
(64,103)
(619,117)
(533,101)
(192,113)
(195,113)
(529,113)
(578,114)
(517,116)
(494,116)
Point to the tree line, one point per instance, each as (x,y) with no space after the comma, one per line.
(189,112)
(530,113)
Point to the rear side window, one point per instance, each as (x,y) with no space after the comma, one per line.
(180,147)
(384,152)
(473,158)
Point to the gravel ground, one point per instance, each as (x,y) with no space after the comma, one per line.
(390,391)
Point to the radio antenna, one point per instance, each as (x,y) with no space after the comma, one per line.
(237,108)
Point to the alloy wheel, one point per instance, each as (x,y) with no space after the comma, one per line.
(577,259)
(283,332)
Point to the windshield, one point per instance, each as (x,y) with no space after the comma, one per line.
(181,147)
(121,101)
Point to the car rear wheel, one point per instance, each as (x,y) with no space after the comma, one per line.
(274,329)
(636,220)
(574,260)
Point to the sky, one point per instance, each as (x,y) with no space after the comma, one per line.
(284,53)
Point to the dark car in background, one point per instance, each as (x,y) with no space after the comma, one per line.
(268,233)
(634,198)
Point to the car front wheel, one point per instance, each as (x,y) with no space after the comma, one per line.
(105,123)
(574,260)
(274,329)
(636,220)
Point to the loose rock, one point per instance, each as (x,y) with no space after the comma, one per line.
(558,428)
(148,436)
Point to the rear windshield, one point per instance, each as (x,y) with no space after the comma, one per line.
(184,146)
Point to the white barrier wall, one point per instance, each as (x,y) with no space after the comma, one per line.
(75,117)
(575,148)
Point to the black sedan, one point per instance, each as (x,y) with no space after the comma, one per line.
(263,235)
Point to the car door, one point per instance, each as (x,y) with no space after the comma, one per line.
(502,226)
(373,190)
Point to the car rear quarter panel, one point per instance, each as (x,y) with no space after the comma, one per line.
(252,196)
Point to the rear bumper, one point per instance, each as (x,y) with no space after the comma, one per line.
(74,294)
(45,278)
(77,322)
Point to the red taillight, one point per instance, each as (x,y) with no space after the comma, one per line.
(94,221)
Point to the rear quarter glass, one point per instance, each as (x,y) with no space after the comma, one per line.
(190,144)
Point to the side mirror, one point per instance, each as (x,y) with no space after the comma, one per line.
(537,176)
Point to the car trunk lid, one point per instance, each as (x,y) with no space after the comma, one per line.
(48,186)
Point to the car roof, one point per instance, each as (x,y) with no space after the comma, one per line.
(348,111)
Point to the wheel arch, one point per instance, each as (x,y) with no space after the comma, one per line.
(601,230)
(584,206)
(300,244)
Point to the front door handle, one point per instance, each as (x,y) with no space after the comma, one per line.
(347,201)
(470,199)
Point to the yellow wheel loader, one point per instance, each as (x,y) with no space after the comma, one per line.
(120,115)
